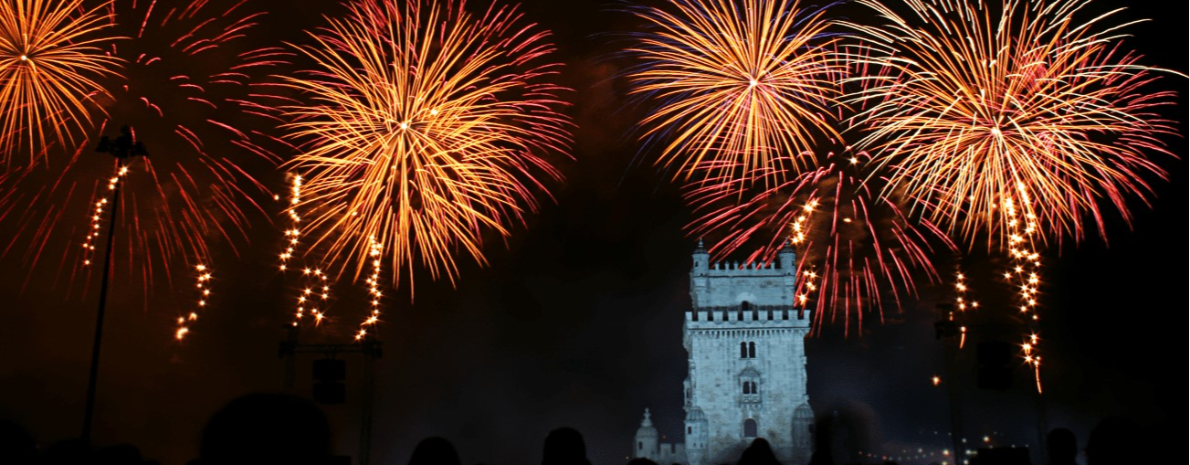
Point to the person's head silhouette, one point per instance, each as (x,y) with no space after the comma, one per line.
(435,451)
(266,429)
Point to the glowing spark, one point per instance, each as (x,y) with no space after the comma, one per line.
(203,279)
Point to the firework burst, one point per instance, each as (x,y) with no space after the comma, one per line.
(51,56)
(426,126)
(191,81)
(986,101)
(739,85)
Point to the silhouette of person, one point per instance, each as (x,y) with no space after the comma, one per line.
(17,447)
(266,429)
(434,451)
(642,462)
(1115,441)
(565,446)
(124,454)
(1063,447)
(70,452)
(759,453)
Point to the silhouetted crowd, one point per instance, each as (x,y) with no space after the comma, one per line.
(273,429)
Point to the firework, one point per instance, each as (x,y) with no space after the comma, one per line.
(425,127)
(857,248)
(51,56)
(191,78)
(984,99)
(742,87)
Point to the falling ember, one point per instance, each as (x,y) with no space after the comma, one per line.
(937,381)
(738,85)
(1021,226)
(51,56)
(374,294)
(422,128)
(97,210)
(203,285)
(314,298)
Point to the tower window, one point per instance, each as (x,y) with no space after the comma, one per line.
(750,428)
(640,446)
(689,430)
(743,350)
(751,350)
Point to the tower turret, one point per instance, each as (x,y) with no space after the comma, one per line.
(647,445)
(787,259)
(702,259)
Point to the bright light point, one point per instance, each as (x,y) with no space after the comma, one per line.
(854,161)
(434,112)
(752,83)
(404,126)
(24,58)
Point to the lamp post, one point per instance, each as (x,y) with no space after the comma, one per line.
(123,148)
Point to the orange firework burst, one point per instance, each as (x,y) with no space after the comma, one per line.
(191,79)
(51,53)
(742,86)
(425,127)
(983,105)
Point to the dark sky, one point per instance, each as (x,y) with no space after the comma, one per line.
(577,321)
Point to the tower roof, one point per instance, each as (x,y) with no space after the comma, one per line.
(646,429)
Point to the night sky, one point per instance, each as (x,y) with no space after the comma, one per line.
(576,321)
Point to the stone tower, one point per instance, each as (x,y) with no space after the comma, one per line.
(745,342)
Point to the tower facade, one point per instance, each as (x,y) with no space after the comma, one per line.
(745,343)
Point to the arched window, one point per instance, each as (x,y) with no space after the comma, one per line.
(747,388)
(743,350)
(750,428)
(640,446)
(751,350)
(755,388)
(689,430)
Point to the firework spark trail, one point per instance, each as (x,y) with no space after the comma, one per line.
(856,249)
(964,304)
(190,73)
(979,102)
(739,85)
(315,294)
(51,59)
(425,127)
(1025,276)
(374,294)
(203,284)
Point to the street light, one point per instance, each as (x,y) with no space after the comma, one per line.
(123,148)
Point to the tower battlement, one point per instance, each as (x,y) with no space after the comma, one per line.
(745,318)
(740,284)
(733,269)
